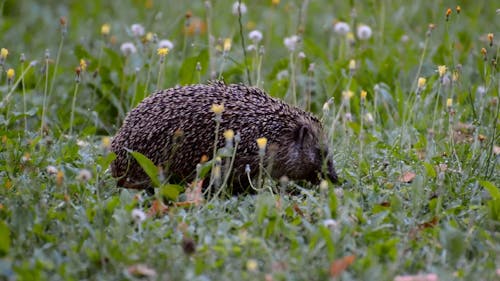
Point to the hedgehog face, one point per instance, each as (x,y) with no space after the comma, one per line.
(307,158)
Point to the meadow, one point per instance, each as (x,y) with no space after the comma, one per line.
(408,92)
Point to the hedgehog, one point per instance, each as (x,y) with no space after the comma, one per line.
(175,128)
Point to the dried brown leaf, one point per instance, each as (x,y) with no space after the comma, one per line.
(340,265)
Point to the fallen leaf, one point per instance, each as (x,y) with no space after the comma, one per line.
(428,224)
(297,210)
(157,208)
(407,177)
(141,270)
(339,265)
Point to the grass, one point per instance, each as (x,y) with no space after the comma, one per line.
(419,158)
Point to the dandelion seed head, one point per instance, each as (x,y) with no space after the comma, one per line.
(84,175)
(137,30)
(239,9)
(369,118)
(364,32)
(255,36)
(128,48)
(341,28)
(138,215)
(166,44)
(301,55)
(291,42)
(251,48)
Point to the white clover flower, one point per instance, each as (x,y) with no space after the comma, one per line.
(364,32)
(138,215)
(341,28)
(137,29)
(242,8)
(165,44)
(291,42)
(330,223)
(128,48)
(51,170)
(84,175)
(255,36)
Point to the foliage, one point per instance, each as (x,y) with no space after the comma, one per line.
(411,109)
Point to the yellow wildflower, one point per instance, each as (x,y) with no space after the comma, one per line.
(421,82)
(275,2)
(449,102)
(490,38)
(458,9)
(106,142)
(229,135)
(149,36)
(10,73)
(162,51)
(252,265)
(105,29)
(218,108)
(363,95)
(352,65)
(442,70)
(3,53)
(262,143)
(83,64)
(347,95)
(227,44)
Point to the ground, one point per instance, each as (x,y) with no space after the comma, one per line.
(408,94)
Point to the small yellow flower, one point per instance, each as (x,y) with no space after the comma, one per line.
(363,95)
(217,108)
(262,143)
(490,38)
(442,70)
(484,52)
(83,64)
(455,76)
(275,2)
(105,29)
(449,102)
(10,73)
(347,95)
(458,9)
(229,135)
(448,13)
(59,178)
(421,82)
(352,65)
(149,36)
(3,53)
(106,142)
(162,52)
(252,265)
(227,44)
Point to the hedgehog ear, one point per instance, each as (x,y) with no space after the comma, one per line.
(301,135)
